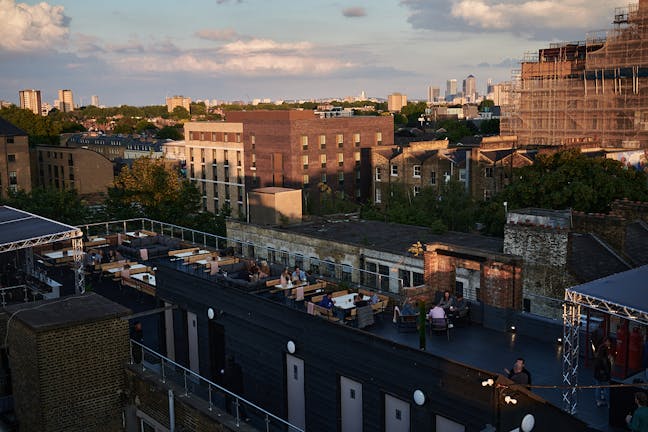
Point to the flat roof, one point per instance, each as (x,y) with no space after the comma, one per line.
(20,229)
(66,312)
(627,289)
(273,190)
(392,237)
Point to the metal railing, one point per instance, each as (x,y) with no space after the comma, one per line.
(215,395)
(345,274)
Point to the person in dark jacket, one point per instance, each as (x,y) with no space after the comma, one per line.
(519,373)
(603,373)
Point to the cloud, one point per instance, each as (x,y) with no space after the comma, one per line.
(227,1)
(540,19)
(354,12)
(217,34)
(28,28)
(263,45)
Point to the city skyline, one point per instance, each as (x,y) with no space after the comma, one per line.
(139,53)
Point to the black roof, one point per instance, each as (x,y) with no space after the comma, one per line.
(589,259)
(627,289)
(52,314)
(19,226)
(9,129)
(636,242)
(392,237)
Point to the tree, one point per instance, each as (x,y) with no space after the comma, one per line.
(485,105)
(180,113)
(570,179)
(144,125)
(490,127)
(41,130)
(170,132)
(60,205)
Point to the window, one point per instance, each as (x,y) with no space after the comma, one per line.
(238,137)
(417,190)
(324,178)
(272,255)
(356,139)
(253,161)
(202,136)
(356,158)
(225,137)
(238,158)
(253,141)
(489,172)
(433,178)
(487,194)
(13,179)
(225,158)
(304,142)
(11,158)
(202,155)
(346,277)
(305,161)
(322,142)
(446,176)
(405,276)
(357,174)
(10,140)
(417,171)
(340,140)
(323,160)
(378,138)
(378,199)
(314,265)
(306,180)
(462,175)
(227,177)
(394,170)
(378,174)
(299,261)
(340,159)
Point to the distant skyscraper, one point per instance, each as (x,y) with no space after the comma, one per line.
(396,101)
(433,94)
(94,100)
(489,86)
(470,88)
(451,87)
(176,101)
(65,101)
(31,100)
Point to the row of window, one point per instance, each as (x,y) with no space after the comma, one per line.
(416,173)
(215,136)
(323,160)
(206,153)
(339,140)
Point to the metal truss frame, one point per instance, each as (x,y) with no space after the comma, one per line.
(79,272)
(45,239)
(571,328)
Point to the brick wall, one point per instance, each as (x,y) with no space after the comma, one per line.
(69,378)
(150,396)
(609,227)
(630,210)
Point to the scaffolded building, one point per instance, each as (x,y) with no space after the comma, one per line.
(585,93)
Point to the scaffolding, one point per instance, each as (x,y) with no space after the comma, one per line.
(592,92)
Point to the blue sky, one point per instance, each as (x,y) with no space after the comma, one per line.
(139,51)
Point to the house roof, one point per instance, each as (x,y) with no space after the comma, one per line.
(392,237)
(636,242)
(9,129)
(589,259)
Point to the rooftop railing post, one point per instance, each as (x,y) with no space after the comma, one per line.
(142,357)
(163,372)
(267,422)
(107,229)
(238,418)
(132,360)
(210,398)
(185,383)
(193,236)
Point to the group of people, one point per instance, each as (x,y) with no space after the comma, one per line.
(448,307)
(298,276)
(258,272)
(358,300)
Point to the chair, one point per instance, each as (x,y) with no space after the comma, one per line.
(407,323)
(440,325)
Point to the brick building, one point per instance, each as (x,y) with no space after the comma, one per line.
(15,170)
(297,149)
(77,168)
(67,363)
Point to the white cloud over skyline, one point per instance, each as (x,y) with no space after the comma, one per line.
(25,27)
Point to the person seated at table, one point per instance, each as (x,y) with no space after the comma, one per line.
(373,298)
(327,301)
(111,256)
(284,278)
(125,274)
(446,301)
(264,270)
(298,275)
(118,256)
(358,301)
(406,310)
(213,265)
(253,272)
(437,312)
(459,308)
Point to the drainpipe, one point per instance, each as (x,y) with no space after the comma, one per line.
(171,412)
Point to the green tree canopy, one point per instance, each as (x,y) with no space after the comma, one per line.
(571,179)
(60,205)
(486,103)
(170,132)
(41,130)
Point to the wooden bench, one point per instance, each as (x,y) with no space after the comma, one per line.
(324,313)
(179,251)
(339,293)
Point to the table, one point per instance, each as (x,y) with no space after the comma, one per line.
(136,234)
(142,278)
(118,269)
(291,286)
(188,254)
(346,301)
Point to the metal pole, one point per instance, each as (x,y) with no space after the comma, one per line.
(171,412)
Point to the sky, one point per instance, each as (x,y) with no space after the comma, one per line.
(137,52)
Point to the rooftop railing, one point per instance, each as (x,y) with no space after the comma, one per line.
(350,276)
(216,396)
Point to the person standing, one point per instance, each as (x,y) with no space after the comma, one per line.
(519,373)
(638,422)
(603,373)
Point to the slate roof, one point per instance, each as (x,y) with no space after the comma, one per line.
(9,129)
(590,260)
(392,237)
(636,243)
